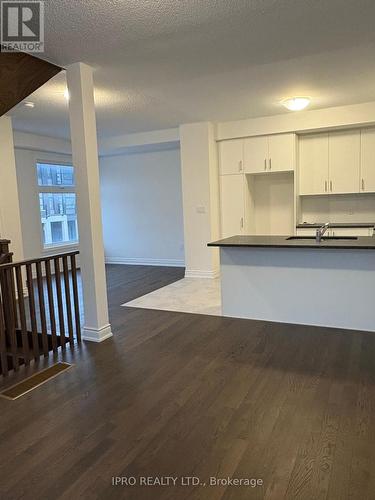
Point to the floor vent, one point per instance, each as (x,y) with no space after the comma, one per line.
(34,381)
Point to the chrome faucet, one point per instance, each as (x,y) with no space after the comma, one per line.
(320,232)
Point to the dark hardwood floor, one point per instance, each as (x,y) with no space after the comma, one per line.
(175,394)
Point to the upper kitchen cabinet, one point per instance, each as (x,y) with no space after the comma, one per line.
(313,164)
(344,162)
(330,163)
(282,152)
(231,157)
(274,153)
(367,184)
(256,155)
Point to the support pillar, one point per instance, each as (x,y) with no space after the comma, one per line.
(85,160)
(200,192)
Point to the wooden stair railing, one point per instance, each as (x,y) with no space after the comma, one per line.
(5,255)
(43,320)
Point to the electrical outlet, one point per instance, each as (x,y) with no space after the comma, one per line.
(201,210)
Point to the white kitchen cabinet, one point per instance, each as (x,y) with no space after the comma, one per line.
(330,163)
(273,153)
(282,149)
(313,164)
(344,162)
(256,155)
(367,177)
(232,205)
(231,157)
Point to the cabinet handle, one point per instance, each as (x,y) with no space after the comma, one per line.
(330,185)
(241,223)
(270,163)
(265,163)
(240,166)
(326,186)
(363,184)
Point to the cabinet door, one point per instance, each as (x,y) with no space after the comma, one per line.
(231,157)
(232,205)
(282,149)
(344,161)
(313,162)
(368,161)
(256,155)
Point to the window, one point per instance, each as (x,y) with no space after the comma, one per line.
(57,201)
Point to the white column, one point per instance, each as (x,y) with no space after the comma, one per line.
(10,217)
(200,191)
(85,160)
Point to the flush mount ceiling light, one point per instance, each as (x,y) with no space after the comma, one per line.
(29,104)
(296,103)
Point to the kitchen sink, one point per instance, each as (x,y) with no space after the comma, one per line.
(324,238)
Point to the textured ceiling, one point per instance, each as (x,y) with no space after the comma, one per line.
(161,63)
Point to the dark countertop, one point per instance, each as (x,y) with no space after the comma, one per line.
(307,225)
(361,243)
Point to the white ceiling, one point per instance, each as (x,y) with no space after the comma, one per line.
(160,63)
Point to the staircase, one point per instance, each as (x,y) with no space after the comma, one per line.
(21,74)
(39,298)
(43,315)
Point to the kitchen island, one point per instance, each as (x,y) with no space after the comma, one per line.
(297,280)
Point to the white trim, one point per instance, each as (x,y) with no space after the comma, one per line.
(97,334)
(145,262)
(197,273)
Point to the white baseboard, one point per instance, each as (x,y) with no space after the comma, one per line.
(97,334)
(145,262)
(197,273)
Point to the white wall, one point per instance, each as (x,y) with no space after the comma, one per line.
(353,115)
(10,227)
(142,208)
(351,208)
(34,142)
(28,196)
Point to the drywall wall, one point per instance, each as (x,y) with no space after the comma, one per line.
(10,227)
(24,140)
(142,208)
(154,140)
(351,208)
(28,197)
(350,116)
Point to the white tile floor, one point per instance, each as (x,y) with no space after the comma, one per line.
(190,295)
